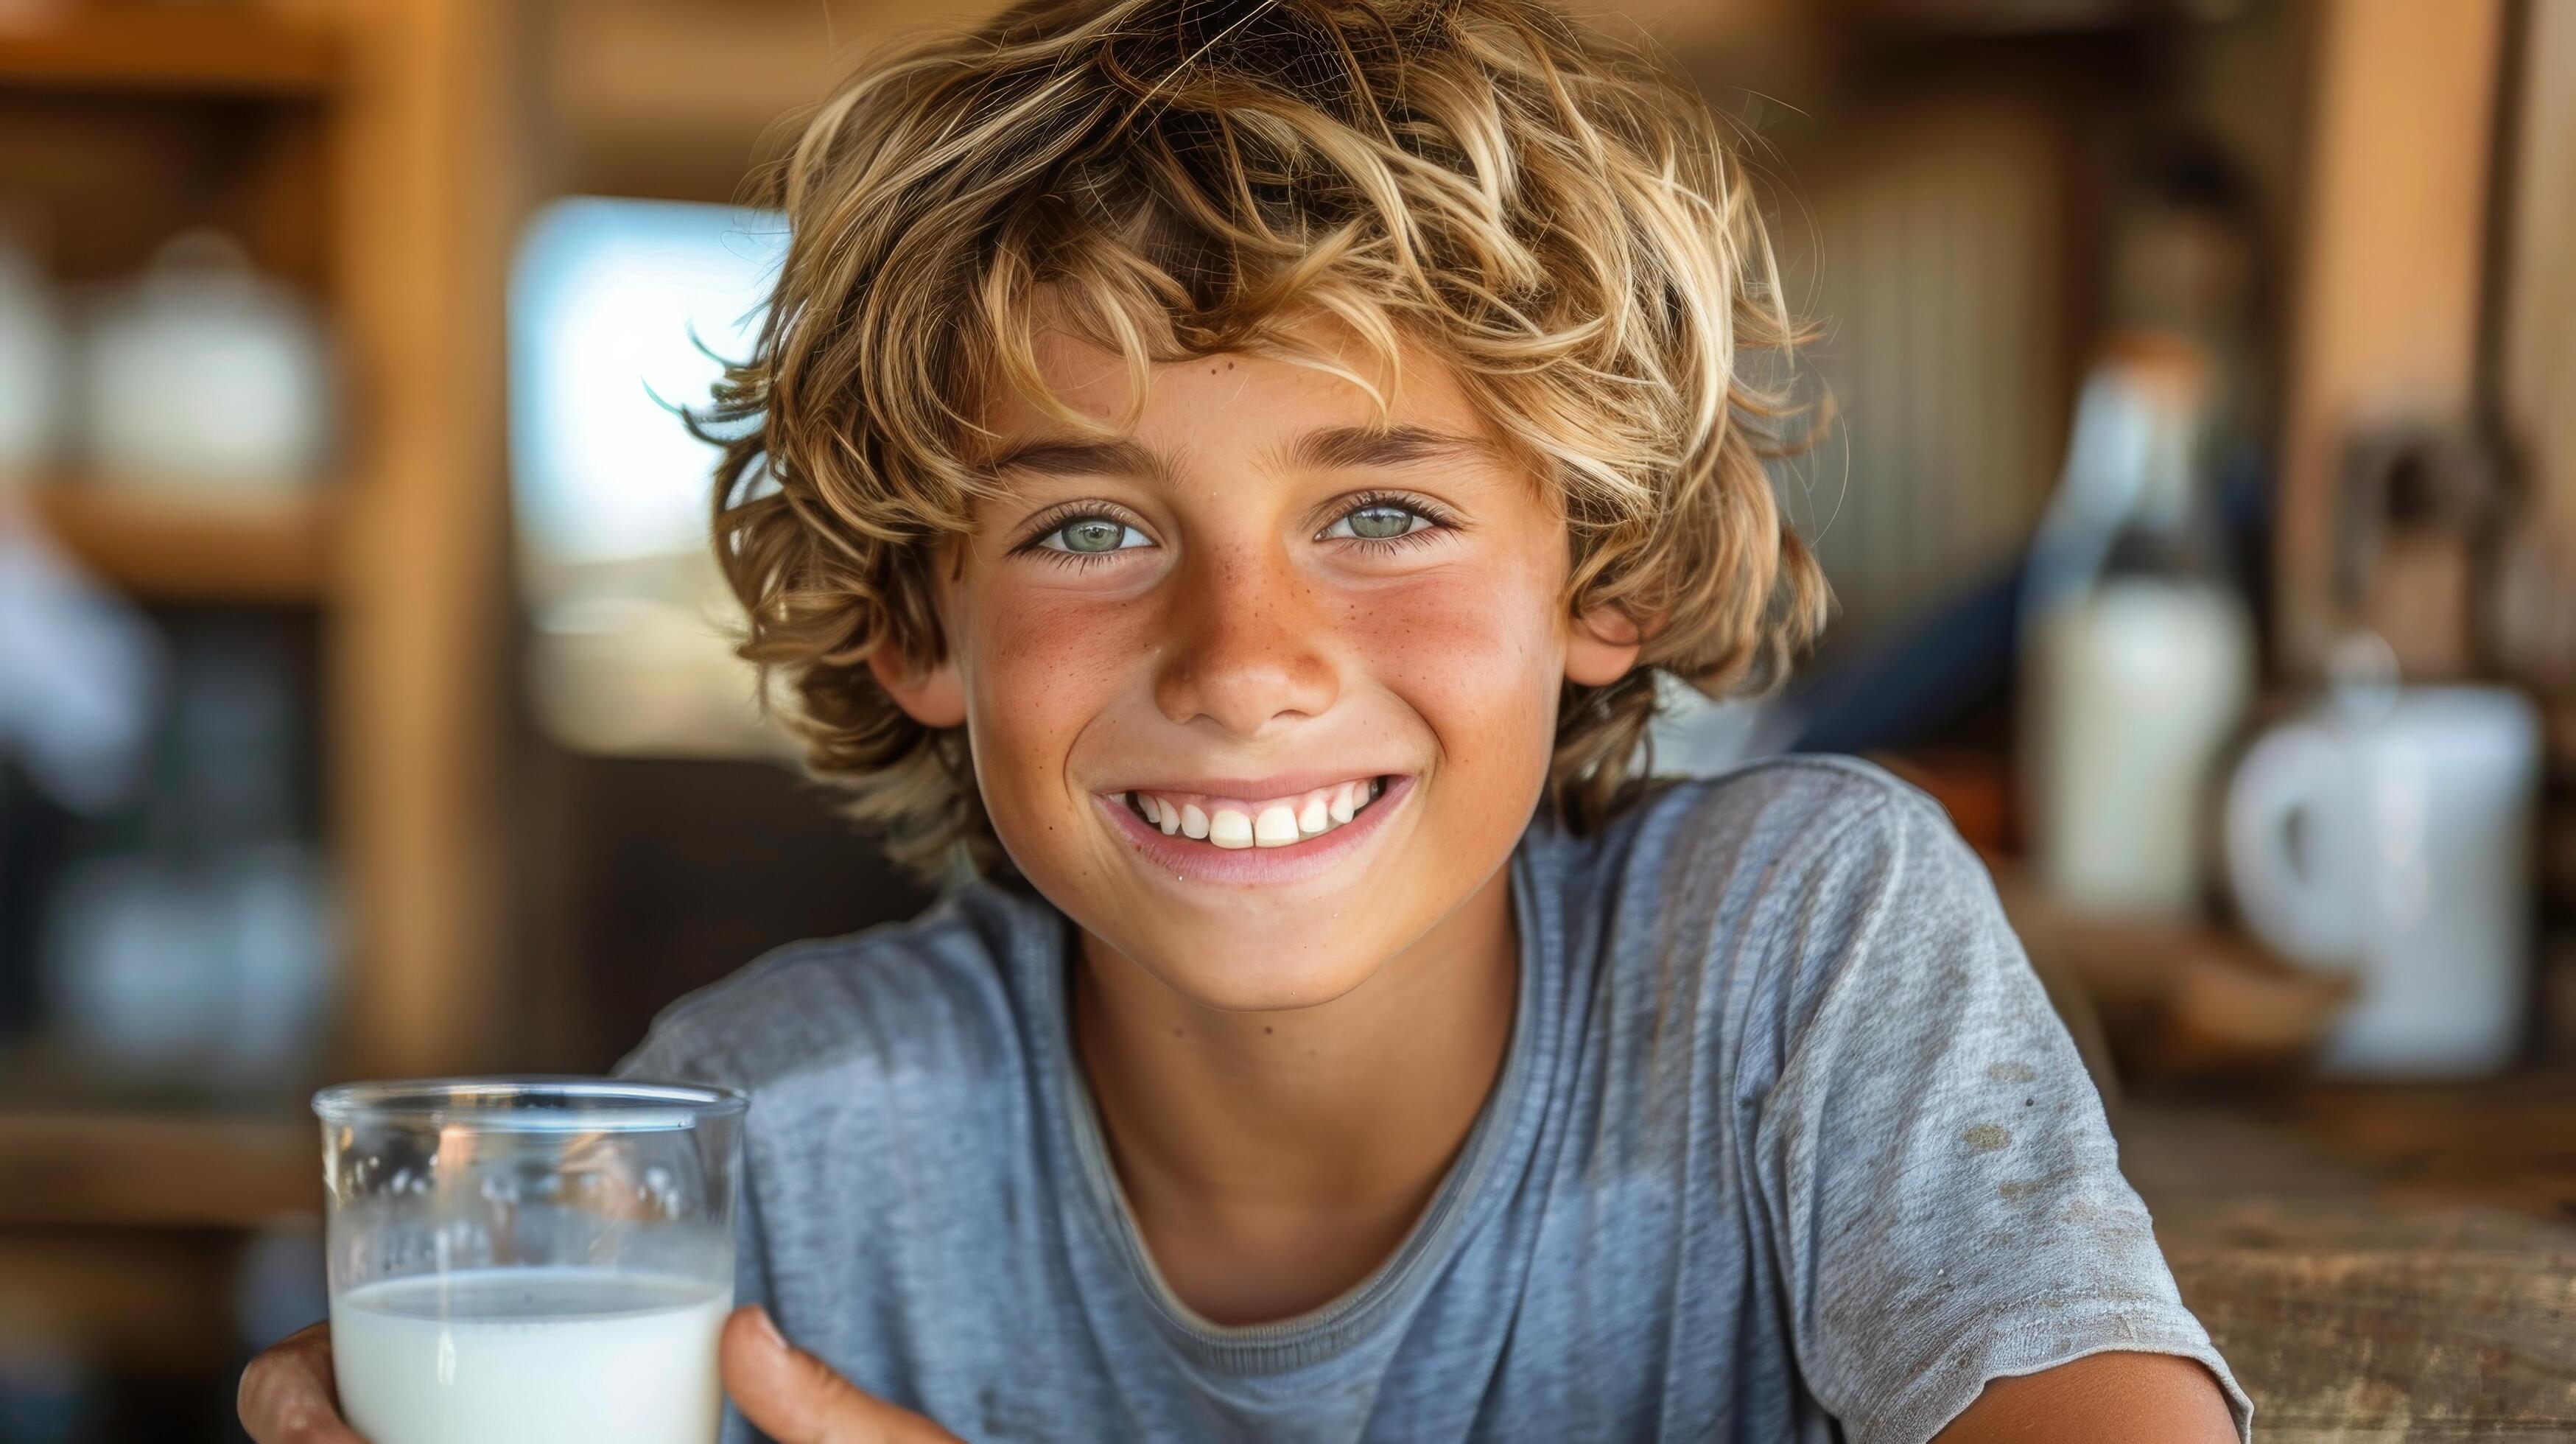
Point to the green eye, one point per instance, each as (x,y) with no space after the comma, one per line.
(1379,521)
(1092,535)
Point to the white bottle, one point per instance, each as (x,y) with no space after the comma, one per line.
(2138,653)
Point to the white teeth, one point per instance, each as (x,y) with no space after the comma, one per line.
(1275,827)
(1276,824)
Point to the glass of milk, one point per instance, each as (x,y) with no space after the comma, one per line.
(516,1260)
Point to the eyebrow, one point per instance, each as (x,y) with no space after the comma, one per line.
(1322,449)
(1056,457)
(1352,446)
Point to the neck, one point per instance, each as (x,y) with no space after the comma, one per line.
(1272,1159)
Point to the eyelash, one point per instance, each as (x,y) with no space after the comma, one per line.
(1439,519)
(1057,519)
(1051,522)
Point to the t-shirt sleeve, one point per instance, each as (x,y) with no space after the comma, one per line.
(1943,1194)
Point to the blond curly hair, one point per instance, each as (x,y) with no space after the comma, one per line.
(1547,211)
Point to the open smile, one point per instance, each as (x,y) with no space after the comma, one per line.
(1276,822)
(1221,838)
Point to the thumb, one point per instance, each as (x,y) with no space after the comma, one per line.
(795,1398)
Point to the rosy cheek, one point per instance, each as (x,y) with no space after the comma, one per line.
(1467,651)
(1043,665)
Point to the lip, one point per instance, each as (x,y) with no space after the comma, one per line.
(1190,860)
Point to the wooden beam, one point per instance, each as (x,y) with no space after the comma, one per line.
(2392,236)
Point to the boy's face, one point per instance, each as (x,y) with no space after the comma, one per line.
(1258,694)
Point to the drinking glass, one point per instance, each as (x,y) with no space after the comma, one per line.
(516,1260)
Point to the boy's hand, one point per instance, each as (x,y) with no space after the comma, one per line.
(795,1398)
(287,1396)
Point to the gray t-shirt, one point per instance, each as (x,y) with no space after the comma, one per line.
(1787,1139)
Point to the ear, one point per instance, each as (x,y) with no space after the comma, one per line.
(934,696)
(1600,647)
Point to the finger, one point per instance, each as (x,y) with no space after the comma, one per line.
(795,1398)
(287,1395)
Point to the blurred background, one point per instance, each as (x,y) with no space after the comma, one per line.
(2201,498)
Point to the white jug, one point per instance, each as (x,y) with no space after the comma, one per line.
(2388,834)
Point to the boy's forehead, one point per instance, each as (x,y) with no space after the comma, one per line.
(1203,398)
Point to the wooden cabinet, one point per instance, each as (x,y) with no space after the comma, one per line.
(359,149)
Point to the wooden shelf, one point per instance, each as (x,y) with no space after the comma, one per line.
(112,1169)
(190,547)
(225,51)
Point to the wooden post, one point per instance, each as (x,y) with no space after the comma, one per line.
(2536,359)
(416,678)
(2392,237)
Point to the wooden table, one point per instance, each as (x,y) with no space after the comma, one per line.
(2377,1264)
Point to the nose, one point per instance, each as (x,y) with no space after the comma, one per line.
(1251,645)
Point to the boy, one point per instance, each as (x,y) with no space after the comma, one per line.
(1234,470)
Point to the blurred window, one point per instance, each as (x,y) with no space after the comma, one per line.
(622,311)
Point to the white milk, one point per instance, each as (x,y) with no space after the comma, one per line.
(530,1356)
